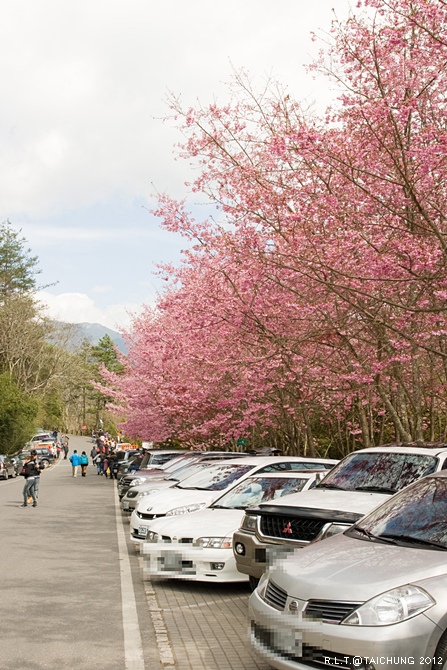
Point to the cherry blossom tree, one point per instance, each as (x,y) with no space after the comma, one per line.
(312,306)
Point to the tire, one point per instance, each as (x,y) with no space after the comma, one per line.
(253,581)
(440,656)
(45,463)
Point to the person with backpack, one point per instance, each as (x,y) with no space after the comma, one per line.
(83,459)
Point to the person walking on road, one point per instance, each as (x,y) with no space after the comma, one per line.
(30,472)
(65,445)
(83,459)
(75,460)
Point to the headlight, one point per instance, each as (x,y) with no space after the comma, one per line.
(249,522)
(262,585)
(151,536)
(213,543)
(141,494)
(185,509)
(136,481)
(331,529)
(391,607)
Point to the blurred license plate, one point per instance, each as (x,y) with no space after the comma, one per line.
(288,641)
(125,505)
(142,530)
(171,562)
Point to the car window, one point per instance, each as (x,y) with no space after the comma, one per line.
(285,466)
(255,490)
(216,477)
(418,512)
(379,470)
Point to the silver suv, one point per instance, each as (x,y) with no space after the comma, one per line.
(361,481)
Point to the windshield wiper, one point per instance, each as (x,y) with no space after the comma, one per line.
(223,507)
(377,489)
(371,536)
(415,540)
(330,486)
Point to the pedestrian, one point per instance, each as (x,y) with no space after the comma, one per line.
(65,445)
(105,465)
(97,460)
(30,471)
(75,460)
(58,449)
(83,459)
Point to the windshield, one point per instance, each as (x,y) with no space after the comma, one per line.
(216,477)
(416,516)
(255,490)
(185,471)
(371,471)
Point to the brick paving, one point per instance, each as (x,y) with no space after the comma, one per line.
(205,625)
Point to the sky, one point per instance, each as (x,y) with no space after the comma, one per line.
(84,145)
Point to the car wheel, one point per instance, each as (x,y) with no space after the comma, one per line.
(254,581)
(45,463)
(440,656)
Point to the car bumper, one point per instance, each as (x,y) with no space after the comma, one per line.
(287,642)
(258,556)
(190,563)
(129,505)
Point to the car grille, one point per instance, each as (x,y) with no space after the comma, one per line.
(148,517)
(311,657)
(290,528)
(330,611)
(275,596)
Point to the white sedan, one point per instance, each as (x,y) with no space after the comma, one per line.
(199,546)
(204,488)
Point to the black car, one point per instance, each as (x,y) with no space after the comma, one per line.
(44,455)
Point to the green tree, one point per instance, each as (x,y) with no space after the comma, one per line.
(18,269)
(18,411)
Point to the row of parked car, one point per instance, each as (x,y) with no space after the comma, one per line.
(372,595)
(43,443)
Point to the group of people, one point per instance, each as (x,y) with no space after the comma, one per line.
(103,455)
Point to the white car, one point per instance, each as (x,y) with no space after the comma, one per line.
(136,492)
(202,489)
(199,547)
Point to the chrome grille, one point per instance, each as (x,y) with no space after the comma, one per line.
(330,611)
(275,596)
(290,528)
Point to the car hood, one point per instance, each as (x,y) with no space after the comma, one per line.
(163,501)
(344,568)
(204,523)
(357,502)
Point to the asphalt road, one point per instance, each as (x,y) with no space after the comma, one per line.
(62,569)
(73,596)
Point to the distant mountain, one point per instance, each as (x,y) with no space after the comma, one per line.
(93,332)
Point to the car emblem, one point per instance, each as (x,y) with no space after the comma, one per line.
(288,529)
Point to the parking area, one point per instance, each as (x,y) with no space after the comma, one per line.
(199,626)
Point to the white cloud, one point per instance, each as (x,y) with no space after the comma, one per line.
(80,308)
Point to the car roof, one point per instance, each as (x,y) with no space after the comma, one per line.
(261,460)
(430,448)
(286,474)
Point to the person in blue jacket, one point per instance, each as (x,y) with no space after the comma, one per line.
(83,459)
(75,461)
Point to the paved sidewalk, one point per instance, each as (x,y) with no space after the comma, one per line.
(205,625)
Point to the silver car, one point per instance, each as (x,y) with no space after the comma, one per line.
(372,597)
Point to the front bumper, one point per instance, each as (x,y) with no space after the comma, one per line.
(258,555)
(288,642)
(184,561)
